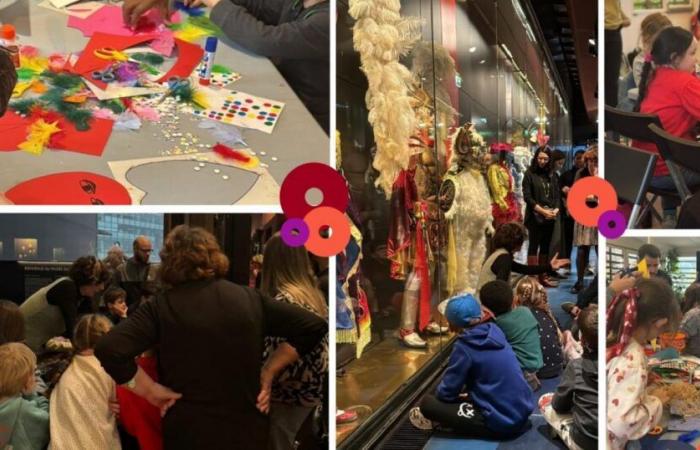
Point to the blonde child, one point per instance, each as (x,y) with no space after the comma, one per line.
(81,414)
(24,415)
(635,316)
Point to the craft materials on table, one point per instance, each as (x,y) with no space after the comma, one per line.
(69,188)
(221,76)
(241,109)
(109,20)
(208,61)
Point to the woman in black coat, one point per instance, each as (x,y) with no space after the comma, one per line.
(541,193)
(209,333)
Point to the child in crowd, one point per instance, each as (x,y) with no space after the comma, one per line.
(670,89)
(634,317)
(483,392)
(81,414)
(518,325)
(24,415)
(691,319)
(572,411)
(531,294)
(115,302)
(650,28)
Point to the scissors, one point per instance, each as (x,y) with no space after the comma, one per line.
(112,54)
(106,76)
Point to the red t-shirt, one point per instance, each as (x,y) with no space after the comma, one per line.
(139,418)
(674,96)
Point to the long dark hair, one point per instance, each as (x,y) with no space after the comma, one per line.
(669,43)
(535,167)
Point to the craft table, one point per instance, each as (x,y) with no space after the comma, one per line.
(296,139)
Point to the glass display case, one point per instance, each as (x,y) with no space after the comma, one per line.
(445,76)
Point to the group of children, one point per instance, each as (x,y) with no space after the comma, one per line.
(506,342)
(32,414)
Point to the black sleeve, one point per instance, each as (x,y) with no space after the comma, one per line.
(524,269)
(302,39)
(556,192)
(133,336)
(65,296)
(563,400)
(528,190)
(501,267)
(302,329)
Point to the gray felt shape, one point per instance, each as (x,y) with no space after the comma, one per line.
(177,183)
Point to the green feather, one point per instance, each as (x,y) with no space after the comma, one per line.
(25,74)
(63,80)
(218,68)
(24,106)
(206,24)
(78,117)
(116,106)
(152,59)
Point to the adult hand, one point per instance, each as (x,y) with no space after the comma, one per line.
(132,10)
(263,402)
(557,263)
(620,283)
(162,397)
(565,189)
(114,407)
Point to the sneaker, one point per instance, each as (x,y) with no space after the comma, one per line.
(434,328)
(413,340)
(568,306)
(342,416)
(418,420)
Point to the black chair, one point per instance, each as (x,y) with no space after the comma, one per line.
(635,126)
(631,183)
(678,153)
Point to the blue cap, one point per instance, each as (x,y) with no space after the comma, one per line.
(463,310)
(210,46)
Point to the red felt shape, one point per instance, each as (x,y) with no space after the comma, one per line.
(14,131)
(88,62)
(69,188)
(188,57)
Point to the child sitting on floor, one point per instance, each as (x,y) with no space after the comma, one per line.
(24,415)
(572,411)
(81,414)
(531,294)
(518,325)
(496,402)
(634,317)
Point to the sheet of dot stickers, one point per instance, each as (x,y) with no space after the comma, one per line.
(243,110)
(220,79)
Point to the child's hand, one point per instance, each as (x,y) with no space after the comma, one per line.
(132,10)
(114,407)
(162,397)
(620,283)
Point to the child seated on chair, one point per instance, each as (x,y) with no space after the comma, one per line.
(572,411)
(483,392)
(519,326)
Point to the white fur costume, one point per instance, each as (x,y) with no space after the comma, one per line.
(469,214)
(381,36)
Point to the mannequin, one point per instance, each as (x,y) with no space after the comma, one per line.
(465,199)
(505,206)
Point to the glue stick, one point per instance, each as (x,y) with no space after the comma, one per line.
(208,61)
(9,41)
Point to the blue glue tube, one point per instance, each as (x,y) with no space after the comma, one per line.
(208,61)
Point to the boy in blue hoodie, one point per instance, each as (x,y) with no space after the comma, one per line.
(24,416)
(482,393)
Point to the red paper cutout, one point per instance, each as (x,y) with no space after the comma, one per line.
(14,130)
(69,188)
(188,57)
(88,62)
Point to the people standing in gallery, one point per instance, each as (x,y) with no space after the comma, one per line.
(53,310)
(585,237)
(541,192)
(220,396)
(615,21)
(287,276)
